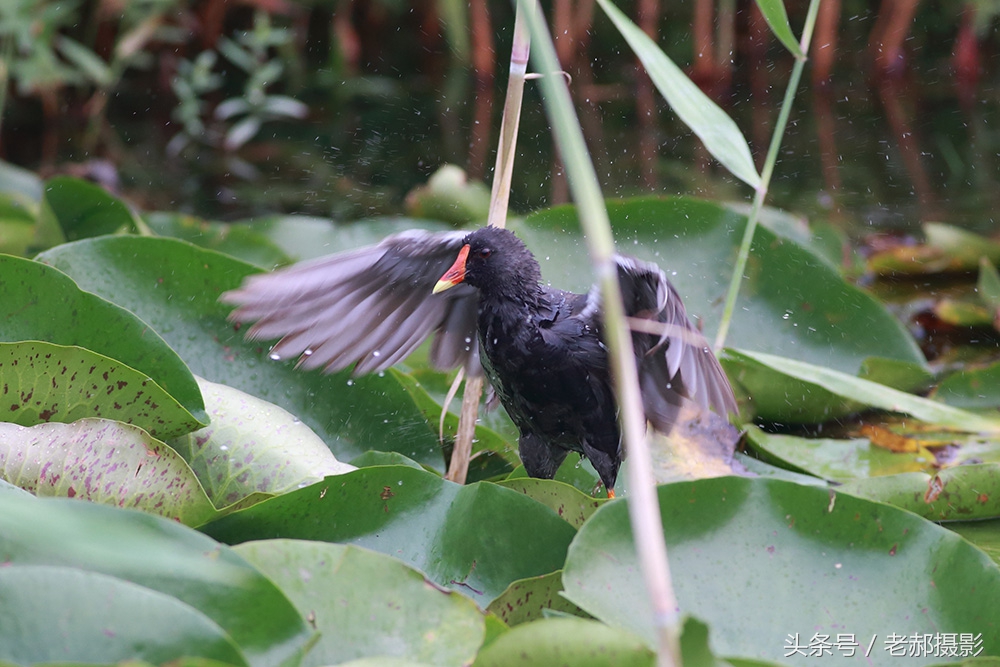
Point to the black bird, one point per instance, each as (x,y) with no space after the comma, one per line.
(541,348)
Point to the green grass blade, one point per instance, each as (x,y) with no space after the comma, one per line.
(721,136)
(776,17)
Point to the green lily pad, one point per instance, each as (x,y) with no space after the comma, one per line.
(902,375)
(809,560)
(946,249)
(174,286)
(303,237)
(366,604)
(236,240)
(385,661)
(530,599)
(157,554)
(17,226)
(953,494)
(577,472)
(988,285)
(971,389)
(449,195)
(834,459)
(566,641)
(44,382)
(376,458)
(574,506)
(824,241)
(984,534)
(106,462)
(54,614)
(962,313)
(20,184)
(40,303)
(474,539)
(968,488)
(83,209)
(827,392)
(253,447)
(7,487)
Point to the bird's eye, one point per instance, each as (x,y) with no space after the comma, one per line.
(483,253)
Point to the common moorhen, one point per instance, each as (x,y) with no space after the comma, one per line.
(541,348)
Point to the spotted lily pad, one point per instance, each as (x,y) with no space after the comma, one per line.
(44,382)
(253,447)
(105,462)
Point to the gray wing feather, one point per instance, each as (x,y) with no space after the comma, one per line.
(370,307)
(676,363)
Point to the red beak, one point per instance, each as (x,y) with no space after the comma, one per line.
(455,274)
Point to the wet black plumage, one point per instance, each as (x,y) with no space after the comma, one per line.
(540,347)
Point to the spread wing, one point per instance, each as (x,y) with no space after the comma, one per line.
(370,307)
(675,361)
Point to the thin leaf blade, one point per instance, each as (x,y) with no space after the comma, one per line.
(714,127)
(777,19)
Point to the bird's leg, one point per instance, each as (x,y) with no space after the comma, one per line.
(604,463)
(540,459)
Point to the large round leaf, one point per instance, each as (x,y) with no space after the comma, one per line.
(175,287)
(574,506)
(236,240)
(967,488)
(84,209)
(17,226)
(364,603)
(303,237)
(569,642)
(532,598)
(38,302)
(475,539)
(105,462)
(160,555)
(44,382)
(60,614)
(780,379)
(808,560)
(253,447)
(953,494)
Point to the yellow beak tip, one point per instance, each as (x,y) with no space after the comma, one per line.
(442,285)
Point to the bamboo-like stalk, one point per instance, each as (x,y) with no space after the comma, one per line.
(644,508)
(765,176)
(6,57)
(504,171)
(458,469)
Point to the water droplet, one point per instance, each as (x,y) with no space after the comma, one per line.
(307,352)
(350,383)
(376,354)
(274,357)
(224,448)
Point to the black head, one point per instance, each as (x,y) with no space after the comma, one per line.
(497,263)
